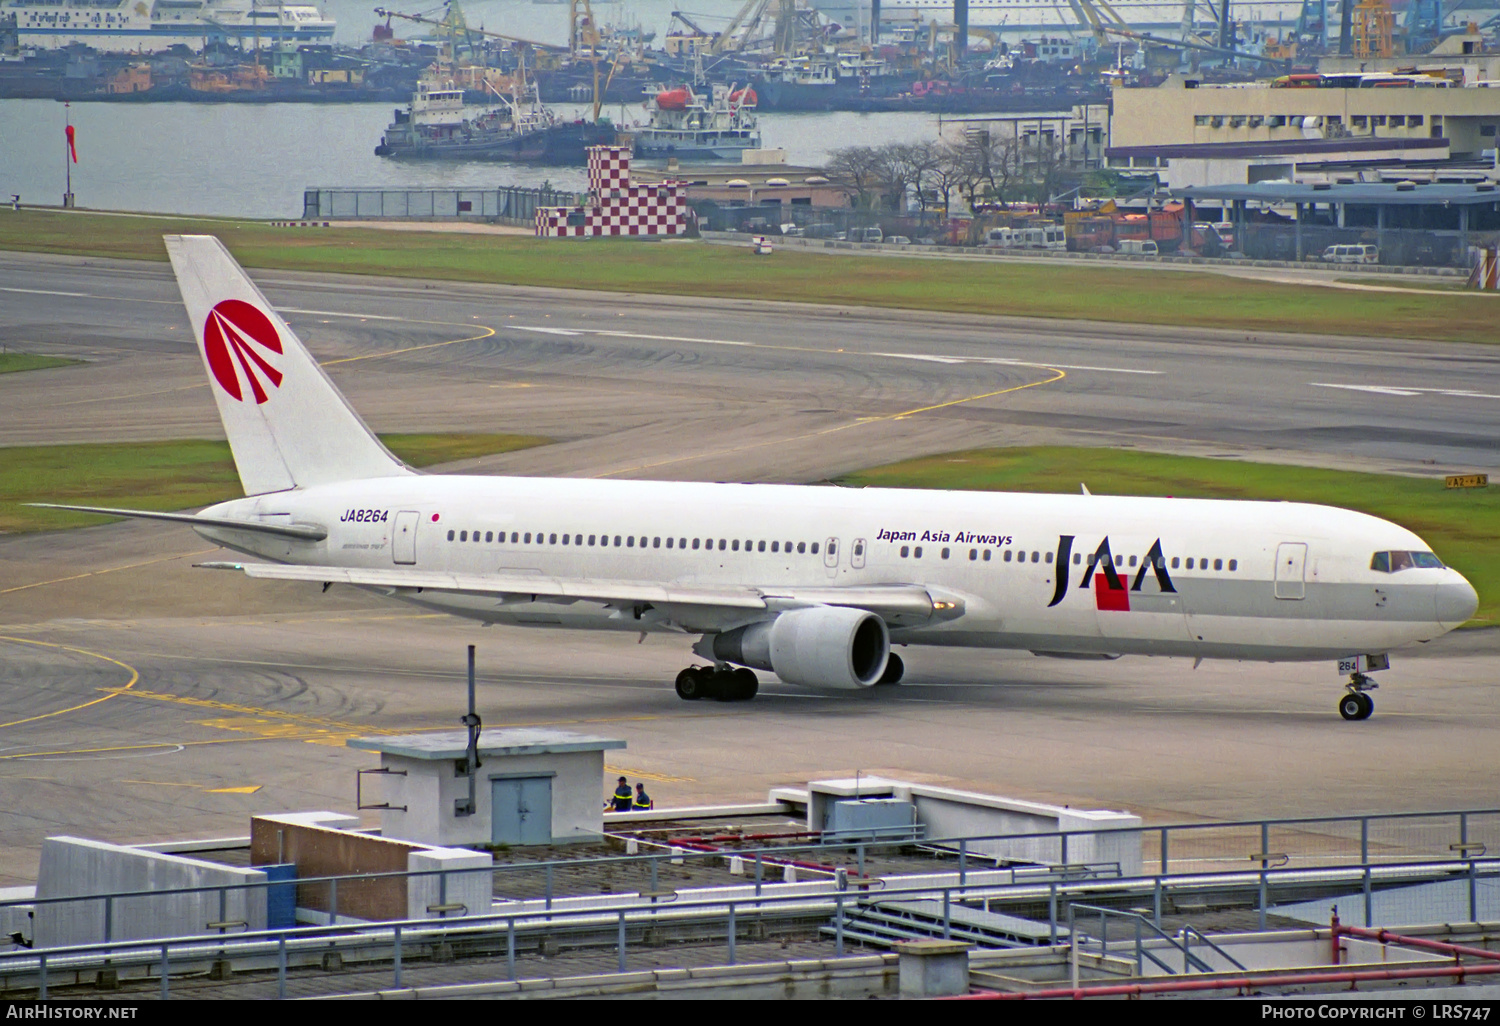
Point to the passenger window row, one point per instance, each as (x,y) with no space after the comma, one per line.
(907,552)
(1193,563)
(631,542)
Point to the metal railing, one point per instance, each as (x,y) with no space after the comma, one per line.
(1359,842)
(1143,952)
(398,942)
(512,203)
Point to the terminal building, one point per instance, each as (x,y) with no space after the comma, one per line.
(1183,111)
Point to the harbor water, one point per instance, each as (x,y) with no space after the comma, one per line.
(254,160)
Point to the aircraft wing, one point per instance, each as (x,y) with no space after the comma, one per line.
(895,602)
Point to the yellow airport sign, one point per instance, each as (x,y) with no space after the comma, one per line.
(1467,480)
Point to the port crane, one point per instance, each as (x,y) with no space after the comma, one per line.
(581,31)
(445,24)
(1099,18)
(748,18)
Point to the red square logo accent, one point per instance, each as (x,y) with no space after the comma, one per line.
(1114,600)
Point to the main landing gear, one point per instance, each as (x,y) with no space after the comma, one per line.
(1357,705)
(722,683)
(894,670)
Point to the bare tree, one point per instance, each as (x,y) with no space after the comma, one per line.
(1049,166)
(896,169)
(949,172)
(989,169)
(859,168)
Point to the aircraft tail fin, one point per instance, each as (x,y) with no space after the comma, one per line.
(288,426)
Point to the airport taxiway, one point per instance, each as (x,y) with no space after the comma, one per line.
(140,698)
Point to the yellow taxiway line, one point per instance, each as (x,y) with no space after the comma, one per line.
(135,677)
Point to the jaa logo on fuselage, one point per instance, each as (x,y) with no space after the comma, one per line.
(1110,591)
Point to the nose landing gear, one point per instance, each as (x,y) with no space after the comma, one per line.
(720,682)
(1357,705)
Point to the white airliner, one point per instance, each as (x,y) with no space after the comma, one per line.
(814,584)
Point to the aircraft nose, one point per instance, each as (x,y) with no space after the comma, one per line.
(1456,601)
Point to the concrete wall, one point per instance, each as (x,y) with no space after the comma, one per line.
(473,890)
(15,918)
(72,866)
(432,786)
(1109,836)
(319,850)
(321,844)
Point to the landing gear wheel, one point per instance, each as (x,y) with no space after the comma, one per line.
(1356,706)
(734,685)
(745,684)
(690,684)
(894,669)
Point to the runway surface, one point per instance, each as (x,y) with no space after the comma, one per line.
(140,698)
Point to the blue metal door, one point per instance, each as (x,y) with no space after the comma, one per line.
(536,810)
(521,810)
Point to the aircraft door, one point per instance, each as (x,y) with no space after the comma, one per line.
(404,537)
(1291,561)
(1140,601)
(857,554)
(831,556)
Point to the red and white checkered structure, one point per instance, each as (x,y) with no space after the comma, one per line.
(616,207)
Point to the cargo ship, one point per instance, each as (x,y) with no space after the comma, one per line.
(825,82)
(438,125)
(152,25)
(684,126)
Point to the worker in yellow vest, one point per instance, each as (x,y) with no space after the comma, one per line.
(620,800)
(642,800)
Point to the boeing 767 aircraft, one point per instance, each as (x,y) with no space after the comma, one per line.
(812,584)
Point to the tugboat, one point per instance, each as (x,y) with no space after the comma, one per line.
(438,126)
(684,126)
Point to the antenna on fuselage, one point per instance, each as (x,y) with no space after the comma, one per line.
(1085,488)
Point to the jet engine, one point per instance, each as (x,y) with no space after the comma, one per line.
(817,647)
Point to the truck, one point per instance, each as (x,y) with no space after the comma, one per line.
(1107,229)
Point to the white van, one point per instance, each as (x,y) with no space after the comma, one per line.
(1352,254)
(1139,247)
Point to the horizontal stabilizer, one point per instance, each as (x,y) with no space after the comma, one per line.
(299,531)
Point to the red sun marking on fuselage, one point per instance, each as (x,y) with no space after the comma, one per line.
(232,337)
(1110,600)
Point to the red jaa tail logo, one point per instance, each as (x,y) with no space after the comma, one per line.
(233,338)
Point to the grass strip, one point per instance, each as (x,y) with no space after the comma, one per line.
(1460,524)
(12,363)
(691,269)
(172,475)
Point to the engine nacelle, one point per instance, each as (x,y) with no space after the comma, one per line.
(817,647)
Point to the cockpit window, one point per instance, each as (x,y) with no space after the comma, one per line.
(1392,562)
